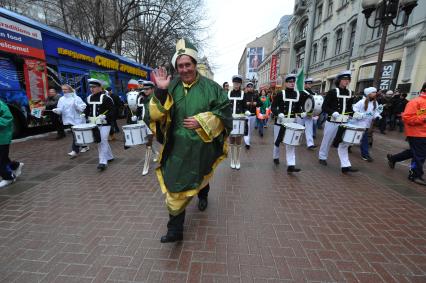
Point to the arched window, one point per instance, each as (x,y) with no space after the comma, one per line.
(339,37)
(352,31)
(324,49)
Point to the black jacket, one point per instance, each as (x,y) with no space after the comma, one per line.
(333,104)
(106,108)
(281,106)
(240,103)
(250,97)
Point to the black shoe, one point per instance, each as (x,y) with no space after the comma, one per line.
(367,158)
(391,163)
(247,146)
(171,237)
(111,160)
(202,204)
(411,175)
(312,147)
(261,135)
(101,167)
(276,161)
(350,149)
(348,169)
(291,169)
(419,181)
(323,162)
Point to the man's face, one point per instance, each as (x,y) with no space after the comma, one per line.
(236,85)
(186,69)
(290,84)
(226,87)
(148,91)
(308,85)
(95,89)
(52,92)
(344,82)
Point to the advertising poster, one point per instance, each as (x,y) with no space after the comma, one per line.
(254,59)
(20,39)
(36,82)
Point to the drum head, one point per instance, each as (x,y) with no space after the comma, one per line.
(294,126)
(83,126)
(308,105)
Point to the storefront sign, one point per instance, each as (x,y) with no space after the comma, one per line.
(36,81)
(389,75)
(103,62)
(20,39)
(273,71)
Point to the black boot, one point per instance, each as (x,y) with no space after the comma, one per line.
(291,169)
(174,228)
(276,161)
(203,198)
(323,162)
(348,170)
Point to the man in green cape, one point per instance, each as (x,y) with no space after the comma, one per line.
(194,117)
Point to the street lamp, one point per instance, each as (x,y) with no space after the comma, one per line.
(386,12)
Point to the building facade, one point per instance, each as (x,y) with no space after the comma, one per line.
(254,54)
(328,36)
(204,68)
(275,65)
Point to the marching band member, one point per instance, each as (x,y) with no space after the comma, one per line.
(100,111)
(365,111)
(286,105)
(250,103)
(305,119)
(236,96)
(194,117)
(338,105)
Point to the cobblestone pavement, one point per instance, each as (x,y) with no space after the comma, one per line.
(65,222)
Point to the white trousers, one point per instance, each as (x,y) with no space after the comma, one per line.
(104,150)
(251,121)
(308,122)
(330,131)
(290,150)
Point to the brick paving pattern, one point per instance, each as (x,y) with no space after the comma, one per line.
(65,222)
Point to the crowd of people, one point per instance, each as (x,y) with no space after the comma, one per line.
(195,119)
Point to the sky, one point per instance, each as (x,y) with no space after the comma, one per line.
(233,24)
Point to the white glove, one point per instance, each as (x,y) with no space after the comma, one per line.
(369,114)
(56,111)
(358,116)
(303,115)
(281,115)
(134,118)
(82,115)
(102,117)
(379,116)
(335,115)
(380,108)
(247,113)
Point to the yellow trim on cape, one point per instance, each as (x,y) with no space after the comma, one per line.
(157,112)
(211,126)
(176,202)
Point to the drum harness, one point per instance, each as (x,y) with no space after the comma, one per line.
(94,104)
(281,133)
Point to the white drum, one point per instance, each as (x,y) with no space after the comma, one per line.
(83,134)
(340,119)
(238,125)
(318,101)
(293,133)
(135,134)
(283,121)
(353,134)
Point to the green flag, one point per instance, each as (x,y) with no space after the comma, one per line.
(300,80)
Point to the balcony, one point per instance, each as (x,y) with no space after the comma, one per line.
(300,7)
(300,40)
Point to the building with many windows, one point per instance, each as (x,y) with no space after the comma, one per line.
(275,64)
(204,68)
(328,36)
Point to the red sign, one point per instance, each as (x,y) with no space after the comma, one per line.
(273,72)
(35,73)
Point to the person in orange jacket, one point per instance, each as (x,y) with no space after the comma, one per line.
(414,118)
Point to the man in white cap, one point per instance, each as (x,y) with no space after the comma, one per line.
(250,104)
(305,119)
(100,111)
(286,105)
(365,111)
(338,105)
(194,117)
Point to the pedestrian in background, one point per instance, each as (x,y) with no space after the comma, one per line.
(9,170)
(225,86)
(264,107)
(71,107)
(414,118)
(51,102)
(400,107)
(387,110)
(118,104)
